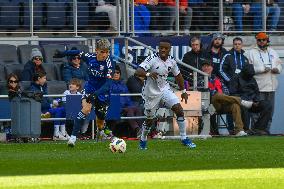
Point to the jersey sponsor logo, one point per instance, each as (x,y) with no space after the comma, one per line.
(102,67)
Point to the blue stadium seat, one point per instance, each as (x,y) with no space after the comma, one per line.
(25,85)
(9,14)
(49,51)
(40,9)
(8,54)
(24,14)
(24,52)
(14,68)
(3,85)
(56,87)
(51,72)
(2,73)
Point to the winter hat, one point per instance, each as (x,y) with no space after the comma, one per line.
(35,52)
(262,35)
(218,35)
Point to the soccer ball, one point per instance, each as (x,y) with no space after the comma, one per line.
(117,145)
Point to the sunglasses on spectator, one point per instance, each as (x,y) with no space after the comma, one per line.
(76,57)
(13,81)
(37,58)
(261,40)
(117,72)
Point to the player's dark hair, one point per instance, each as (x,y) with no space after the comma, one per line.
(237,39)
(165,40)
(38,75)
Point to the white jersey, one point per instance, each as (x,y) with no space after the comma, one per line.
(154,63)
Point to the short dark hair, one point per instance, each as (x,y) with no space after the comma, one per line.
(166,40)
(76,81)
(39,74)
(117,68)
(237,39)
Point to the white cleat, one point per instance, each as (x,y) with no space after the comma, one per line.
(71,141)
(59,137)
(241,133)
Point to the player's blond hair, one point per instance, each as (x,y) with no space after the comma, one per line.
(103,44)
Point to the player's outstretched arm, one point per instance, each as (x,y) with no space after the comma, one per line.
(140,72)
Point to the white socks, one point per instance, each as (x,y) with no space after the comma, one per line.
(56,130)
(63,129)
(145,132)
(182,127)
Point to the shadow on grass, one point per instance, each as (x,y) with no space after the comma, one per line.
(89,157)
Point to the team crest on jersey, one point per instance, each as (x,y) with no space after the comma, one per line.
(169,69)
(102,67)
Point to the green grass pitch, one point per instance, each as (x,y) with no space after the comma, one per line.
(235,163)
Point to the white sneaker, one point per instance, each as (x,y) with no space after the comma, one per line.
(66,135)
(246,104)
(71,141)
(241,133)
(59,137)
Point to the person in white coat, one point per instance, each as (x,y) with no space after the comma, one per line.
(267,66)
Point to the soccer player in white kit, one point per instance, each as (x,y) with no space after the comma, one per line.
(157,91)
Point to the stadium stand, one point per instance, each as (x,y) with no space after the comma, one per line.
(8,54)
(24,52)
(51,71)
(56,87)
(59,68)
(100,21)
(48,53)
(14,68)
(83,14)
(124,74)
(2,73)
(84,48)
(9,14)
(2,87)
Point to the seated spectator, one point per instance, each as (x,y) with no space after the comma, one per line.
(254,8)
(118,87)
(246,87)
(75,68)
(193,58)
(33,66)
(111,10)
(12,85)
(168,12)
(224,103)
(198,14)
(39,85)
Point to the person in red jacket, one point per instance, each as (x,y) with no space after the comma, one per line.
(224,104)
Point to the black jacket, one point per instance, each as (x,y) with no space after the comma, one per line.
(193,59)
(216,63)
(231,63)
(245,85)
(29,71)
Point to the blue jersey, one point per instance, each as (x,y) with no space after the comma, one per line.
(100,72)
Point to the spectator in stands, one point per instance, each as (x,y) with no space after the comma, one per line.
(111,9)
(267,66)
(74,87)
(234,62)
(168,12)
(254,8)
(39,85)
(128,109)
(245,86)
(142,19)
(193,58)
(153,9)
(224,103)
(75,68)
(12,85)
(33,66)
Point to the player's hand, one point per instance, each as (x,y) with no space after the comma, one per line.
(275,70)
(58,54)
(154,75)
(184,96)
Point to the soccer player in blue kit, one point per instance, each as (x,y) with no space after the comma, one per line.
(97,88)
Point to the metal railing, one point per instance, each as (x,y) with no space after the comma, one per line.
(74,17)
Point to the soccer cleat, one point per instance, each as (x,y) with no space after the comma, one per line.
(71,142)
(187,142)
(241,133)
(59,137)
(142,145)
(66,135)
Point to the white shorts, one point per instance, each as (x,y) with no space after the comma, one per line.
(166,99)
